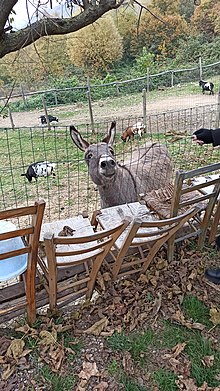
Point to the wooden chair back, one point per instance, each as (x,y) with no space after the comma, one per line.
(15,296)
(149,237)
(197,187)
(72,263)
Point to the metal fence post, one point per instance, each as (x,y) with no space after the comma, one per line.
(11,119)
(218,110)
(144,106)
(46,113)
(148,80)
(117,89)
(23,96)
(55,97)
(200,68)
(172,73)
(88,93)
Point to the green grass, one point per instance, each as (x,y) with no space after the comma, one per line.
(141,344)
(196,310)
(113,368)
(165,380)
(56,382)
(197,347)
(135,343)
(130,385)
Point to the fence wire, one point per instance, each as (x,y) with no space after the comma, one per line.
(71,191)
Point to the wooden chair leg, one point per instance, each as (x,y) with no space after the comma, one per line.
(95,268)
(124,249)
(215,223)
(30,288)
(170,249)
(52,274)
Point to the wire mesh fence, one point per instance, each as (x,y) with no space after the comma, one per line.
(71,191)
(22,98)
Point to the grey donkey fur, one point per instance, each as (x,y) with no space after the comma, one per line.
(148,169)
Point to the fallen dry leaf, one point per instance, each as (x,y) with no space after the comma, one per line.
(107,277)
(161,264)
(101,386)
(176,350)
(8,372)
(189,385)
(89,369)
(157,304)
(208,361)
(57,356)
(214,316)
(15,349)
(127,363)
(179,317)
(186,384)
(27,330)
(48,338)
(97,327)
(100,281)
(181,366)
(61,329)
(143,278)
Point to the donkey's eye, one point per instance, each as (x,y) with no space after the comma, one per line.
(112,151)
(89,155)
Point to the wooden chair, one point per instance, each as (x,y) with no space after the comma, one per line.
(72,263)
(19,240)
(148,237)
(194,187)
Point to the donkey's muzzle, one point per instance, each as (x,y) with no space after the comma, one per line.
(107,166)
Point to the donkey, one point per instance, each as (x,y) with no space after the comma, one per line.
(148,169)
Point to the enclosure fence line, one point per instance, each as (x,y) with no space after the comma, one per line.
(117,84)
(71,191)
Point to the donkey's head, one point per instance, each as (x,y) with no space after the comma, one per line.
(99,157)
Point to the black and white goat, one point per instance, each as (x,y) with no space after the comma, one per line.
(40,169)
(51,118)
(207,86)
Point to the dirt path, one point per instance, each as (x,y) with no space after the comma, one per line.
(109,109)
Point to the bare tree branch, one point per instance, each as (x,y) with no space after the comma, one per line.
(10,42)
(148,10)
(91,10)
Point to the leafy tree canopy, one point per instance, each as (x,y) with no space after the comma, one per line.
(96,47)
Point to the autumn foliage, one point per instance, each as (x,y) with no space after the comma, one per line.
(96,47)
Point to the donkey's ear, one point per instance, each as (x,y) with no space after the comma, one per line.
(77,139)
(111,134)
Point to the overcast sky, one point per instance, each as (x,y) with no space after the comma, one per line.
(21,17)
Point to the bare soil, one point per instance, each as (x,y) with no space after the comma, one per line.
(109,109)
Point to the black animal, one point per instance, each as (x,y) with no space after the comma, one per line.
(51,118)
(39,169)
(207,86)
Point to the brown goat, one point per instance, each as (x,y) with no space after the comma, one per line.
(128,134)
(130,131)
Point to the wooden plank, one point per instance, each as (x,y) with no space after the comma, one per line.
(205,179)
(110,217)
(81,227)
(79,224)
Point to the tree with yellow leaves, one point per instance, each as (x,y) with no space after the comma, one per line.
(206,18)
(96,47)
